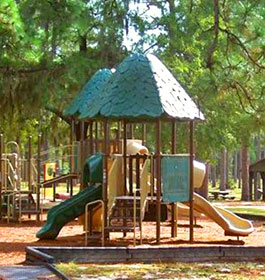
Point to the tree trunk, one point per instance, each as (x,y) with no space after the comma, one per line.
(223,174)
(245,171)
(235,167)
(83,44)
(227,169)
(258,157)
(213,175)
(239,168)
(172,26)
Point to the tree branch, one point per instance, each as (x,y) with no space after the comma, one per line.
(241,44)
(58,113)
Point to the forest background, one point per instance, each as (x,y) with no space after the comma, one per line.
(215,48)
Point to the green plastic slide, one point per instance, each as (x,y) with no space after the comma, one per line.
(67,211)
(73,207)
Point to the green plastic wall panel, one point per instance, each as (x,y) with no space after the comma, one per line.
(175,171)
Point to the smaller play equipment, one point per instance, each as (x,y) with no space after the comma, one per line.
(256,168)
(25,177)
(19,191)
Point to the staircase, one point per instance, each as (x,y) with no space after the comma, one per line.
(121,218)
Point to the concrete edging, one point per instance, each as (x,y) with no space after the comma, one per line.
(146,255)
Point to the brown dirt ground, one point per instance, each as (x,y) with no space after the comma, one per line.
(15,237)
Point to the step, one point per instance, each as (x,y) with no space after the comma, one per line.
(129,207)
(94,236)
(119,229)
(129,203)
(30,211)
(122,217)
(127,197)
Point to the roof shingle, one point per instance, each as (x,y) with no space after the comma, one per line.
(91,88)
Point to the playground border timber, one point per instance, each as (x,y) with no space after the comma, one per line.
(144,255)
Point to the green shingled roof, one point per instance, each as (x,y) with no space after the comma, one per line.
(91,88)
(142,87)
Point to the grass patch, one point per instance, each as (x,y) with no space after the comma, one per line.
(214,271)
(247,210)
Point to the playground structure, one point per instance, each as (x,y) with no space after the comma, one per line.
(122,184)
(125,178)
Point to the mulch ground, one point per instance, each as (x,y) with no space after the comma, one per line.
(15,237)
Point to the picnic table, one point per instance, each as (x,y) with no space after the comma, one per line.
(221,194)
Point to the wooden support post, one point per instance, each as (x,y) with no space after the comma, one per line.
(124,167)
(119,137)
(173,205)
(130,175)
(71,187)
(29,163)
(91,140)
(144,134)
(191,180)
(152,169)
(96,137)
(54,191)
(137,165)
(105,173)
(82,134)
(158,178)
(71,150)
(38,177)
(255,177)
(131,130)
(1,171)
(125,156)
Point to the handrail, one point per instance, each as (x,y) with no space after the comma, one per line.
(102,220)
(143,194)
